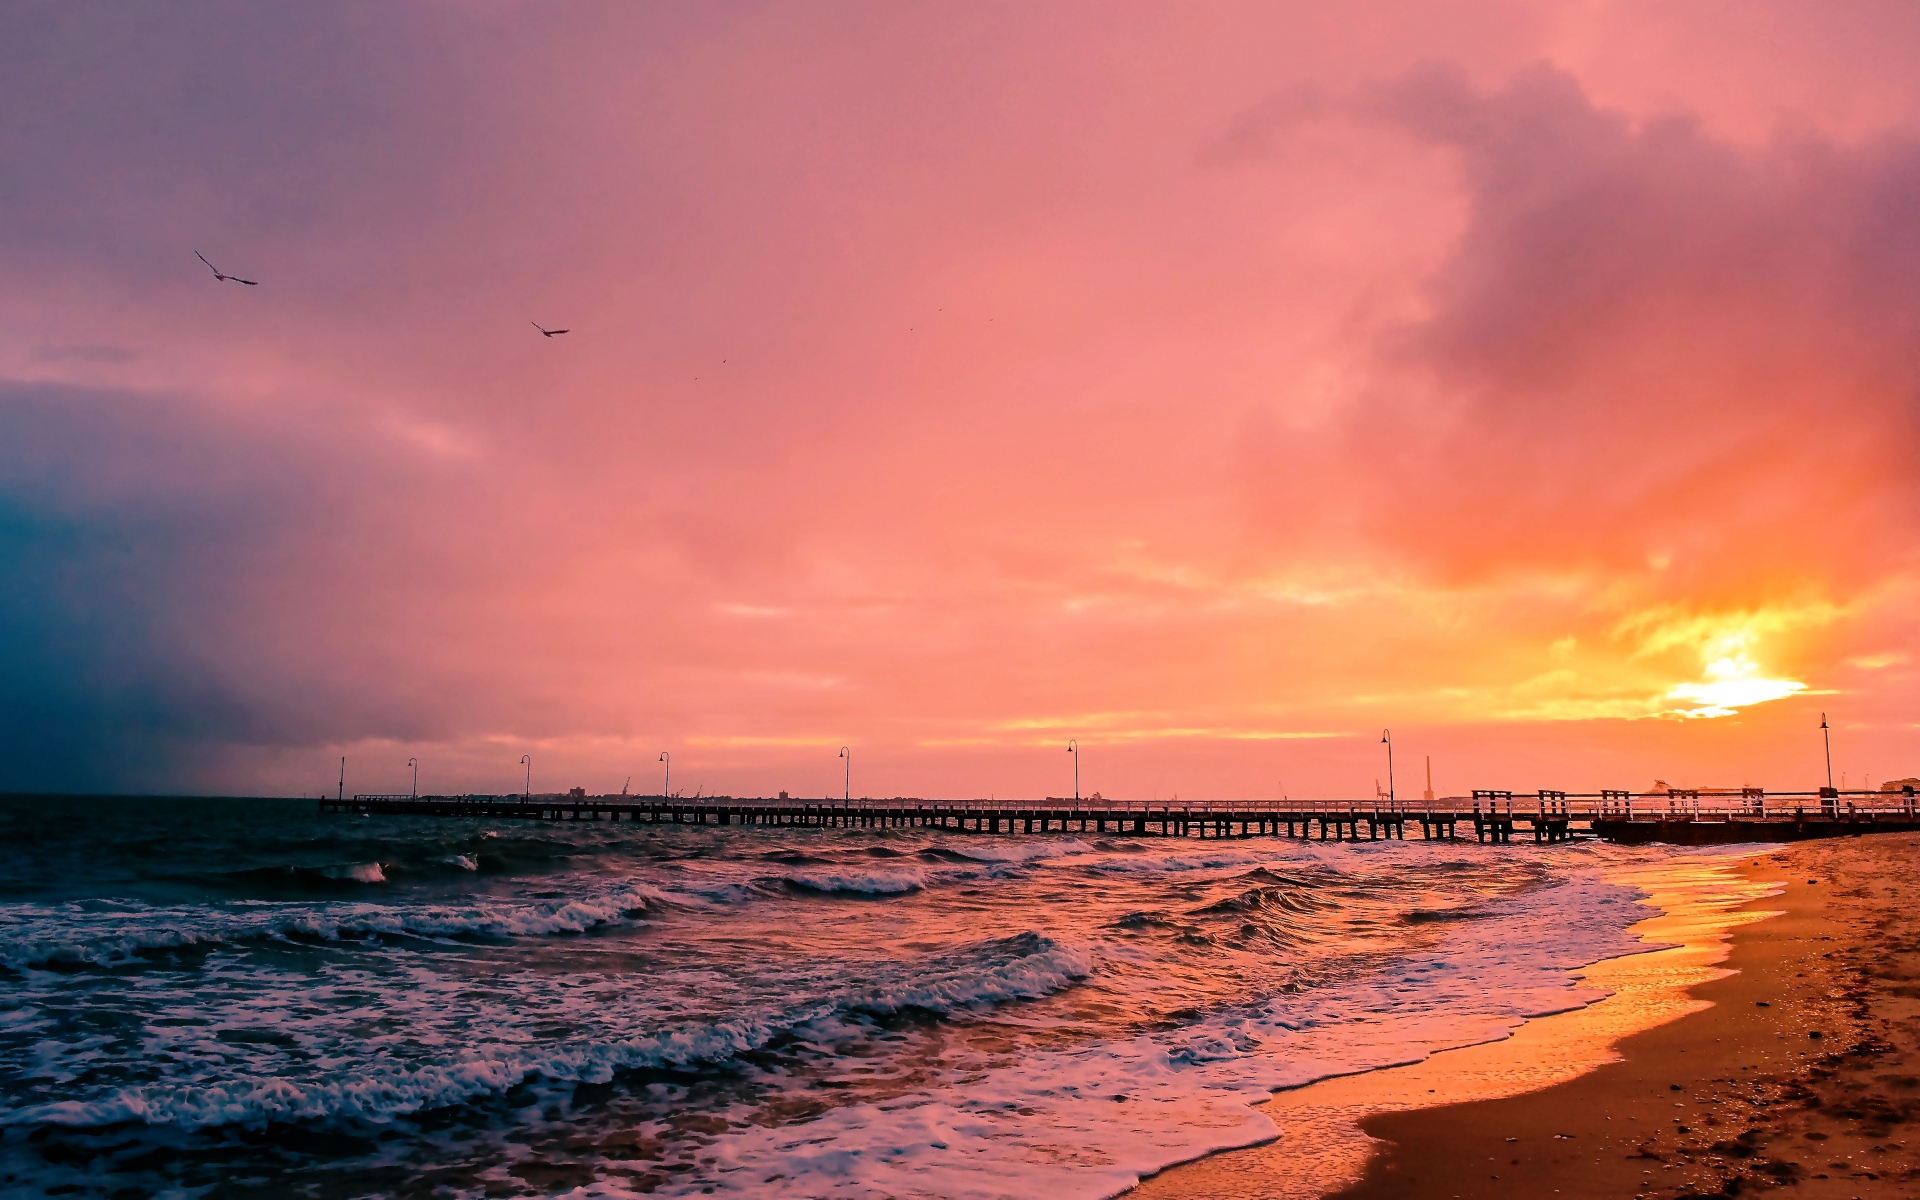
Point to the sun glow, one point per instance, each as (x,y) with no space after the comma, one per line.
(1732,682)
(1730,678)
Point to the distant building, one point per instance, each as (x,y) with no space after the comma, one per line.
(576,793)
(1900,785)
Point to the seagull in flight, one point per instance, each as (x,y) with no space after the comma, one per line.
(225,278)
(548,332)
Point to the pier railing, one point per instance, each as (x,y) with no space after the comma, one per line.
(1684,815)
(1674,804)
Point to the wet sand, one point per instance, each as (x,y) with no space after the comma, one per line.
(1793,1070)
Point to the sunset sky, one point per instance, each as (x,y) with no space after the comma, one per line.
(1215,384)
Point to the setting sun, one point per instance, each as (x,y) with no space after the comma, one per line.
(1730,685)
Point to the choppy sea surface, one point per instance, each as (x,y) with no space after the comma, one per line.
(247,998)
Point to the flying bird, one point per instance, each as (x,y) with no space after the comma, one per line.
(548,332)
(225,278)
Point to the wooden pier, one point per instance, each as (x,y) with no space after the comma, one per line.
(1689,817)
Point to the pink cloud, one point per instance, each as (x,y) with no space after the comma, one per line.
(952,385)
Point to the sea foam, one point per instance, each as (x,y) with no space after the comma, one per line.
(40,936)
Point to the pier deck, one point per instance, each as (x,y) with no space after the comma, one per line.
(1685,817)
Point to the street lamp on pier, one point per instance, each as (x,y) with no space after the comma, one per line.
(846,782)
(666,779)
(1826,735)
(528,759)
(415,764)
(1073,748)
(1386,736)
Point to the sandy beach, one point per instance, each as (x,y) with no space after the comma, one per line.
(1784,1065)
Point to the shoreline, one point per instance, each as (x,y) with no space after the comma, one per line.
(1569,1104)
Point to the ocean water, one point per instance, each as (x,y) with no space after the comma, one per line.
(247,998)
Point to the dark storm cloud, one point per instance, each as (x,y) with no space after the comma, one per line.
(130,532)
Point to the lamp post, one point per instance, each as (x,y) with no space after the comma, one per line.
(415,764)
(342,793)
(1073,748)
(1826,735)
(528,759)
(666,780)
(846,782)
(1386,736)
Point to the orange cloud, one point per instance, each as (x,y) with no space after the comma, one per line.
(1202,385)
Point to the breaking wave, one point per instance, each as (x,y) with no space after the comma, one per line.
(1028,966)
(855,880)
(64,937)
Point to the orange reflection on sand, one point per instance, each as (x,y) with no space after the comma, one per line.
(1321,1147)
